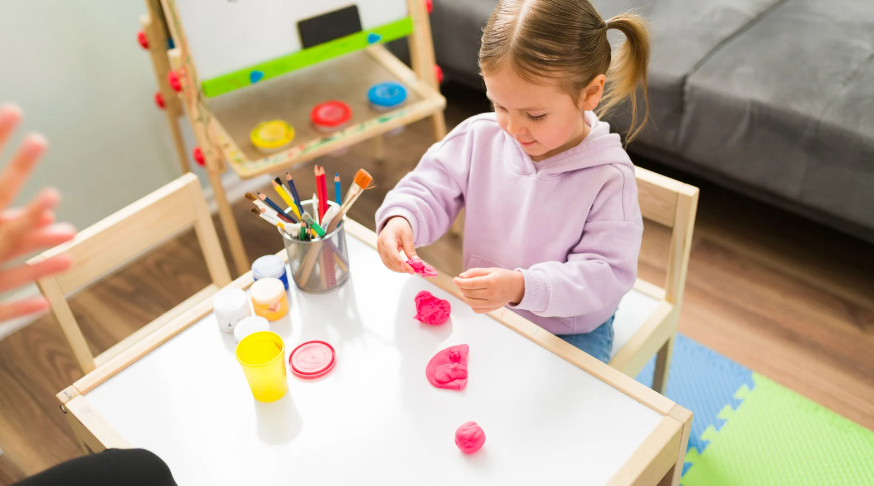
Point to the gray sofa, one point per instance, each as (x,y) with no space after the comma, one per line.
(773,98)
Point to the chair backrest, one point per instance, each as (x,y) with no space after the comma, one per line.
(120,237)
(673,204)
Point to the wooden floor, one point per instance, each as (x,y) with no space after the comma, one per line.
(778,294)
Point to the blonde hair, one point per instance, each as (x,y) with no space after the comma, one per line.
(567,40)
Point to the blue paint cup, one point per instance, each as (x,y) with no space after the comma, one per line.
(270,266)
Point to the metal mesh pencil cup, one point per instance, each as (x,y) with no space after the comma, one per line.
(318,266)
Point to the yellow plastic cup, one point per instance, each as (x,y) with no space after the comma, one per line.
(262,356)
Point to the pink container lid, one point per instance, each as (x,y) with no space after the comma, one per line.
(312,359)
(331,114)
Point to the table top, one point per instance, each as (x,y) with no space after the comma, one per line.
(374,418)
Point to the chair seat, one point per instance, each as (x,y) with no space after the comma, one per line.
(633,310)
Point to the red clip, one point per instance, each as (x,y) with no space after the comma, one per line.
(429,4)
(439,73)
(173,79)
(198,157)
(159,100)
(142,39)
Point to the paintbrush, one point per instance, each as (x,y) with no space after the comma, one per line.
(362,180)
(288,228)
(270,210)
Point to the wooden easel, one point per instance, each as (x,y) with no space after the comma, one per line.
(221,126)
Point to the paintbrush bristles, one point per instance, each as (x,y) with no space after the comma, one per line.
(363,178)
(251,197)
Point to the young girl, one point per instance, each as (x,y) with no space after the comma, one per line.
(552,225)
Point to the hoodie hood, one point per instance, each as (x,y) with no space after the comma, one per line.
(600,147)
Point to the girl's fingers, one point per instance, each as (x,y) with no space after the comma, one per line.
(22,308)
(389,255)
(400,261)
(14,230)
(10,116)
(43,238)
(475,283)
(484,294)
(13,177)
(23,274)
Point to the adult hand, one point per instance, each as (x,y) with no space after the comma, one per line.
(488,289)
(396,237)
(30,228)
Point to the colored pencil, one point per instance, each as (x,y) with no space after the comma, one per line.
(280,190)
(337,197)
(290,182)
(275,207)
(283,193)
(321,190)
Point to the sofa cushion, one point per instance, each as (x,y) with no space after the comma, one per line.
(787,105)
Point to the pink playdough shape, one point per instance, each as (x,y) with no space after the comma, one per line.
(470,437)
(448,368)
(431,310)
(422,269)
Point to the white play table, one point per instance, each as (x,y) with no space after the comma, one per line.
(551,413)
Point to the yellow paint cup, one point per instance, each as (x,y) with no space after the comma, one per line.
(262,356)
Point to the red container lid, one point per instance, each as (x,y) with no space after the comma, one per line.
(331,114)
(312,359)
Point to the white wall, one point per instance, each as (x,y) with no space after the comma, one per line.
(76,69)
(80,76)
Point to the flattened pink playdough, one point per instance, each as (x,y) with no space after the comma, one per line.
(448,368)
(422,269)
(431,310)
(470,437)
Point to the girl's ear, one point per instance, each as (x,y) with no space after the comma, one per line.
(591,96)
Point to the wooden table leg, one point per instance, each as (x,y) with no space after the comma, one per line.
(226,216)
(438,126)
(379,148)
(672,477)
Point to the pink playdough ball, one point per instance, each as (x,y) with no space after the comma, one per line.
(470,437)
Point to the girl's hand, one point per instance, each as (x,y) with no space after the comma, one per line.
(396,237)
(488,289)
(28,229)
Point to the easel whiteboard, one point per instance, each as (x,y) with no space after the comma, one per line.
(229,35)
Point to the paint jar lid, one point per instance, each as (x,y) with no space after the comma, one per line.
(268,266)
(229,300)
(250,325)
(387,94)
(272,134)
(331,114)
(312,359)
(267,291)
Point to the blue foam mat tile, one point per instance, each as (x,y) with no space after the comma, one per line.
(702,381)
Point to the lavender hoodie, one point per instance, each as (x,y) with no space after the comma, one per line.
(571,223)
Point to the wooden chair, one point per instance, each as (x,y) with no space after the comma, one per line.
(119,238)
(646,322)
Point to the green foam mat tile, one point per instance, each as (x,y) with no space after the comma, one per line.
(778,437)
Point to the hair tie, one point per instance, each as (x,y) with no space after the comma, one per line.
(606,25)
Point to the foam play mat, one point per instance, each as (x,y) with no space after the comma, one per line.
(749,431)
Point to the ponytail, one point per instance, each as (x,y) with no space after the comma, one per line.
(628,70)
